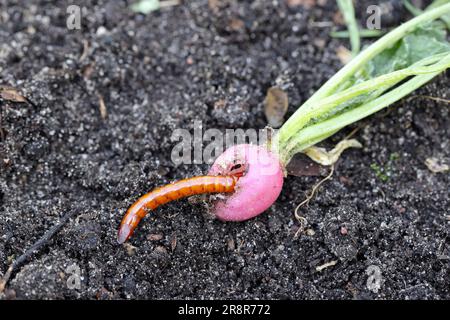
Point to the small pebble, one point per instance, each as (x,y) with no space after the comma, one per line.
(131,250)
(155,236)
(231,245)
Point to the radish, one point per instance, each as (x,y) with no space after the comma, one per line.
(256,190)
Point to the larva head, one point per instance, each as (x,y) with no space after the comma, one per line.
(259,185)
(237,169)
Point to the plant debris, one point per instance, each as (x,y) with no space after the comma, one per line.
(436,166)
(102,107)
(305,3)
(11,94)
(147,6)
(343,54)
(155,236)
(35,248)
(275,106)
(326,265)
(301,165)
(328,158)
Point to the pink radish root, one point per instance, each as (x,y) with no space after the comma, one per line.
(257,190)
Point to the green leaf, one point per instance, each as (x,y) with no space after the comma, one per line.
(425,41)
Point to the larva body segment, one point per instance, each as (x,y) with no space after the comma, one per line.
(171,192)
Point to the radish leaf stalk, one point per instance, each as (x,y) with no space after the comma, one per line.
(417,49)
(334,120)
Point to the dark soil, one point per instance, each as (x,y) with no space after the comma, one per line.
(162,71)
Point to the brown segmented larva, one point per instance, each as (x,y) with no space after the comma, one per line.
(171,192)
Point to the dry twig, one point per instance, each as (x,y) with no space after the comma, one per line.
(30,252)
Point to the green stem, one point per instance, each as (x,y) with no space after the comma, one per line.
(347,9)
(437,3)
(313,132)
(378,84)
(412,9)
(363,33)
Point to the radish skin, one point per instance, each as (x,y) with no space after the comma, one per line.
(257,190)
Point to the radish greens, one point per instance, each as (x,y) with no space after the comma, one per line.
(386,71)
